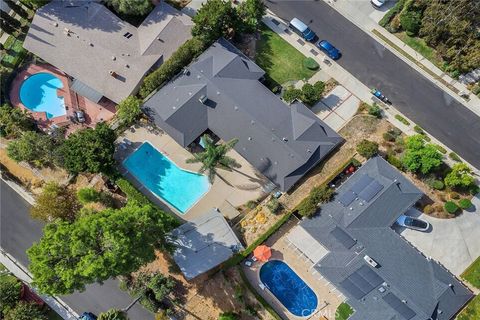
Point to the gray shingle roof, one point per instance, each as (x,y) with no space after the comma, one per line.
(282,142)
(87,41)
(204,243)
(422,285)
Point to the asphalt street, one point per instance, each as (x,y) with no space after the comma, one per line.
(18,232)
(375,66)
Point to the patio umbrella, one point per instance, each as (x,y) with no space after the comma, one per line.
(262,253)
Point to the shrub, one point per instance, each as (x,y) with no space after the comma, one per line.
(428,209)
(251,204)
(10,291)
(179,59)
(395,132)
(113,314)
(441,149)
(397,8)
(418,129)
(133,195)
(274,205)
(129,109)
(375,111)
(394,161)
(454,195)
(460,177)
(438,185)
(411,21)
(454,157)
(291,94)
(367,148)
(311,64)
(309,95)
(402,119)
(420,156)
(363,107)
(387,136)
(451,207)
(465,203)
(87,195)
(307,207)
(25,311)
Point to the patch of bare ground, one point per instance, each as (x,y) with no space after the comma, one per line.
(209,295)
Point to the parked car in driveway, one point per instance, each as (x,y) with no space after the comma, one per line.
(302,30)
(378,3)
(413,223)
(329,49)
(80,116)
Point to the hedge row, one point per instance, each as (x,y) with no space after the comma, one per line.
(133,195)
(392,13)
(179,59)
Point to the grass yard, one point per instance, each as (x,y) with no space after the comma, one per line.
(472,311)
(472,274)
(343,312)
(421,47)
(279,59)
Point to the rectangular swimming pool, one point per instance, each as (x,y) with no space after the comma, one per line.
(180,188)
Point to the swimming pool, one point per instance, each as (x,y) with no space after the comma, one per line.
(39,93)
(288,288)
(179,188)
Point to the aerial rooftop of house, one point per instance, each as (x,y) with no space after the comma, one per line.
(381,274)
(104,54)
(204,243)
(221,91)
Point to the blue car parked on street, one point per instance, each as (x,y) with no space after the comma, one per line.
(329,49)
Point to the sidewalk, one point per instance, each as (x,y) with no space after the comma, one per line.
(364,16)
(346,79)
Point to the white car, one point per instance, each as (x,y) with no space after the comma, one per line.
(413,223)
(378,3)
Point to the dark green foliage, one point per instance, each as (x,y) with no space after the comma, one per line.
(87,195)
(411,21)
(251,204)
(367,149)
(96,247)
(312,93)
(25,311)
(418,129)
(375,111)
(420,156)
(311,64)
(152,288)
(55,202)
(441,149)
(274,205)
(215,19)
(394,161)
(179,59)
(32,147)
(465,203)
(134,196)
(454,157)
(402,119)
(14,121)
(129,109)
(10,289)
(387,136)
(392,13)
(228,316)
(113,314)
(451,207)
(34,4)
(318,195)
(89,150)
(131,7)
(291,94)
(250,12)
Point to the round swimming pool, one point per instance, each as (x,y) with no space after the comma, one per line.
(288,288)
(39,93)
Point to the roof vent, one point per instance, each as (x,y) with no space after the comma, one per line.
(235,108)
(404,301)
(127,66)
(285,139)
(252,122)
(309,151)
(114,58)
(186,72)
(55,24)
(91,44)
(203,98)
(370,261)
(249,138)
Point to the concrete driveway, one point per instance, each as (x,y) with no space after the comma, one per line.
(452,242)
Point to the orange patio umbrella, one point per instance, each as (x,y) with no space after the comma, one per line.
(262,253)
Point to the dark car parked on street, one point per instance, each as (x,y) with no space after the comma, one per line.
(329,49)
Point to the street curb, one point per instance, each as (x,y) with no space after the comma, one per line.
(20,190)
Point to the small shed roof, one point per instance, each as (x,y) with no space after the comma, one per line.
(204,243)
(306,243)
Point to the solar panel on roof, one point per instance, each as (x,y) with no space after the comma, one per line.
(370,191)
(352,289)
(343,237)
(347,198)
(361,184)
(369,275)
(361,282)
(394,302)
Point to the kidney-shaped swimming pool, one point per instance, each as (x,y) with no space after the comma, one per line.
(288,288)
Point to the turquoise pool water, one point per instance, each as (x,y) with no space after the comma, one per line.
(39,93)
(180,188)
(288,288)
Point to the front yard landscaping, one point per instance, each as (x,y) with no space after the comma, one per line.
(472,274)
(279,59)
(472,311)
(343,312)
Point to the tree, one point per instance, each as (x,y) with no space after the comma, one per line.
(10,290)
(214,156)
(87,195)
(89,150)
(460,177)
(33,147)
(228,316)
(251,13)
(113,314)
(55,202)
(96,247)
(367,149)
(420,156)
(152,289)
(291,94)
(131,7)
(129,109)
(14,121)
(25,311)
(411,21)
(215,19)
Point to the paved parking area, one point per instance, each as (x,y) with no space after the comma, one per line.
(452,242)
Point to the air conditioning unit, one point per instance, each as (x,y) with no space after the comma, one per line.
(370,261)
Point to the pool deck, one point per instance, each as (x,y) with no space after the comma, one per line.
(229,189)
(94,113)
(328,297)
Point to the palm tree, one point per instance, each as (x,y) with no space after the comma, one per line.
(214,157)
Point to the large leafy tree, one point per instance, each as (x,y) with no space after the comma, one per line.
(10,289)
(55,202)
(96,247)
(460,177)
(131,7)
(152,289)
(25,311)
(129,109)
(215,19)
(89,150)
(13,121)
(214,156)
(420,156)
(32,147)
(251,13)
(113,314)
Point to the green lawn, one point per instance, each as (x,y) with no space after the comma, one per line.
(472,274)
(343,312)
(472,311)
(279,59)
(421,47)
